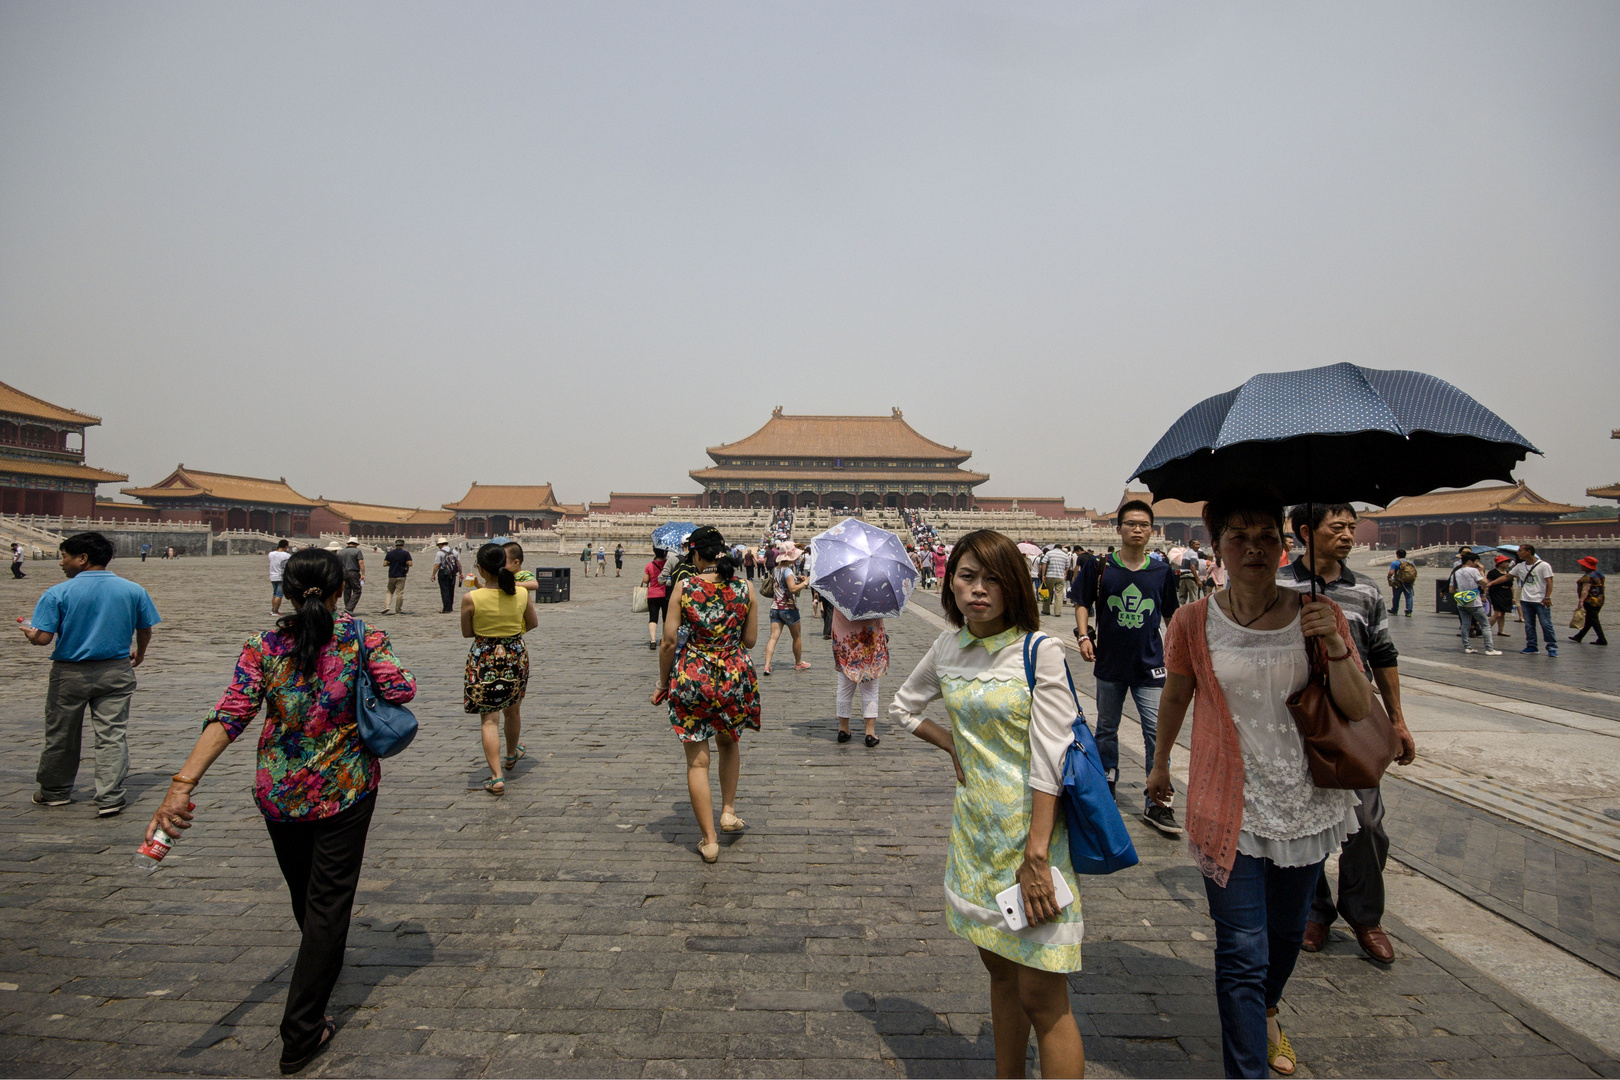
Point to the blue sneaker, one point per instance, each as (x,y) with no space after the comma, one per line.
(1529,648)
(1552,652)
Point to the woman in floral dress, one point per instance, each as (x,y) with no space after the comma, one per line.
(316,782)
(712,691)
(1008,744)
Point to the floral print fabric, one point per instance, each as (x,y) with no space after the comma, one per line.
(860,648)
(713,686)
(311,762)
(497,674)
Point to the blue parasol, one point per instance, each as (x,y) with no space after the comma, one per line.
(862,571)
(672,534)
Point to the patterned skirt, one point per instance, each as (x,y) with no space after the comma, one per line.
(497,674)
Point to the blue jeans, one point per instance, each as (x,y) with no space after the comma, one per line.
(1541,613)
(1395,603)
(1110,708)
(1259,923)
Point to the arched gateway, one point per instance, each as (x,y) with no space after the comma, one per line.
(838,462)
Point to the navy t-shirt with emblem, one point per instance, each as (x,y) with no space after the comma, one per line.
(1132,607)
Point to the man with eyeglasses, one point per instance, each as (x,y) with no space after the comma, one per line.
(1134,596)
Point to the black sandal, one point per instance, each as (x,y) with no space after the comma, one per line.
(300,1064)
(843,736)
(871,741)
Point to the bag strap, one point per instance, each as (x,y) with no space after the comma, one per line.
(360,657)
(1031,645)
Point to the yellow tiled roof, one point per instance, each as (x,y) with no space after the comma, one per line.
(18,403)
(884,437)
(186,483)
(1499,498)
(515,497)
(61,470)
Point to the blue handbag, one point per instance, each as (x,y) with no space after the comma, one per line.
(385,728)
(1098,841)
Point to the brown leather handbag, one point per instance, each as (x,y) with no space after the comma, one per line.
(1342,753)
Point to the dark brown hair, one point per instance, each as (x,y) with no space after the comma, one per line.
(1003,561)
(1249,503)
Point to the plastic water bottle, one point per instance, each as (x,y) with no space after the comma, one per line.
(150,853)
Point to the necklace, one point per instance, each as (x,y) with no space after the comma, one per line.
(1231,599)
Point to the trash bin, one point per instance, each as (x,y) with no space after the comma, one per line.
(1443,603)
(555,583)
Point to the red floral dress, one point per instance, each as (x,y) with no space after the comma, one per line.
(712,687)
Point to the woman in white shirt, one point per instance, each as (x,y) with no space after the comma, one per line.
(1007,744)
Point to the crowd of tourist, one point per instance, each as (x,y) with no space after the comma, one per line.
(1225,633)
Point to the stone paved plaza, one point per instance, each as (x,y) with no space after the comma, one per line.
(569,928)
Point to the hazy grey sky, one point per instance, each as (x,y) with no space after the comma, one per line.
(388,249)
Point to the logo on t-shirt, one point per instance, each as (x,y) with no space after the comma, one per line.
(1131,608)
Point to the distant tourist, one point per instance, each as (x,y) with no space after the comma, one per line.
(601,561)
(1134,597)
(1535,578)
(17,561)
(1467,585)
(585,560)
(145,549)
(1402,575)
(785,606)
(399,565)
(1055,568)
(825,610)
(1190,574)
(496,616)
(315,781)
(446,571)
(1006,827)
(1589,594)
(353,562)
(748,563)
(92,617)
(278,563)
(861,655)
(710,686)
(1332,529)
(1499,593)
(657,597)
(618,560)
(1258,828)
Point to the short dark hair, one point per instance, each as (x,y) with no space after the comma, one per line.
(1400,553)
(96,547)
(1003,561)
(1132,504)
(1469,556)
(281,544)
(1249,503)
(1531,548)
(514,550)
(1317,513)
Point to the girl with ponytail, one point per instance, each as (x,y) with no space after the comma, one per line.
(316,782)
(496,618)
(712,691)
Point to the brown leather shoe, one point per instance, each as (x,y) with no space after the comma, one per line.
(1316,935)
(1374,943)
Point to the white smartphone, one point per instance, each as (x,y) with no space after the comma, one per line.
(1011,901)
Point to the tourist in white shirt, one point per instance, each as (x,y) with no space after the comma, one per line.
(1056,562)
(1535,578)
(278,563)
(1468,593)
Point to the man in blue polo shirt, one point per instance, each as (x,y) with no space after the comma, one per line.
(92,618)
(1134,596)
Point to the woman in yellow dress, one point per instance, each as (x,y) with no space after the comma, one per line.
(1008,746)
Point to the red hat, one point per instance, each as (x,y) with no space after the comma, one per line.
(1503,559)
(1589,563)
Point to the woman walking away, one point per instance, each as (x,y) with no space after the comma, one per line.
(861,654)
(1589,594)
(496,617)
(1007,745)
(712,691)
(1257,826)
(657,597)
(785,606)
(316,783)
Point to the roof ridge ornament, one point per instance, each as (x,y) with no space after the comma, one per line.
(898,415)
(776,412)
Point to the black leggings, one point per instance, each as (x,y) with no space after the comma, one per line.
(656,607)
(1592,624)
(321,862)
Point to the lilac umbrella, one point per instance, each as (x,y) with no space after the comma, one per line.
(862,571)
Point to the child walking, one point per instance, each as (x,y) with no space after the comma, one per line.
(496,617)
(861,654)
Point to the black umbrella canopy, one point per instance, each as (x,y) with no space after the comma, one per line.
(1339,433)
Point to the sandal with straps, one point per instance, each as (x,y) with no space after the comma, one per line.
(1280,1051)
(495,785)
(512,759)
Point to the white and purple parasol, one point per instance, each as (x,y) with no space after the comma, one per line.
(862,571)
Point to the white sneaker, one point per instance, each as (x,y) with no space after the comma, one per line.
(1470,649)
(1493,652)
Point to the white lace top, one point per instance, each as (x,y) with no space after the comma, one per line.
(1286,817)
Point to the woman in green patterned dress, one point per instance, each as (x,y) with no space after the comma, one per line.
(1007,745)
(709,682)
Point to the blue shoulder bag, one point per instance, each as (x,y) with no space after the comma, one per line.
(1098,842)
(385,728)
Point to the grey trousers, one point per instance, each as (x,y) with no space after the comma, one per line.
(104,687)
(1361,869)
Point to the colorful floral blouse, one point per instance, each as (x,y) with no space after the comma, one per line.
(312,763)
(860,648)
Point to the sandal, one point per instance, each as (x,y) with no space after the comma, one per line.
(495,785)
(292,1065)
(843,736)
(710,852)
(732,823)
(512,759)
(1281,1050)
(871,741)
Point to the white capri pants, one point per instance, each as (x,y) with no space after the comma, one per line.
(846,697)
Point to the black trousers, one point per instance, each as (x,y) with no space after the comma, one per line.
(447,590)
(351,592)
(1591,624)
(321,862)
(1361,869)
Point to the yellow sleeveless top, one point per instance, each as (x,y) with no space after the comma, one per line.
(496,615)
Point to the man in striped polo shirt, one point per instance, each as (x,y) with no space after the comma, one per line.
(1331,528)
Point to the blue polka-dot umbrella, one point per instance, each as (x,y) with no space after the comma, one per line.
(1333,434)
